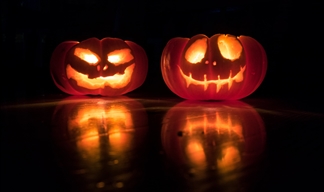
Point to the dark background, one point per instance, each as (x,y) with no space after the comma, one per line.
(290,32)
(289,99)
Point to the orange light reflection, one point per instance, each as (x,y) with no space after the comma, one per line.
(94,121)
(213,122)
(195,153)
(230,159)
(216,121)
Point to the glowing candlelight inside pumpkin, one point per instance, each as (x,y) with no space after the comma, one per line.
(86,55)
(107,67)
(222,67)
(229,47)
(116,81)
(120,56)
(197,51)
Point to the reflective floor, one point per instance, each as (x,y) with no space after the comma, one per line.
(142,144)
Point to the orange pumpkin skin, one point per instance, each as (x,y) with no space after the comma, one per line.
(222,67)
(107,67)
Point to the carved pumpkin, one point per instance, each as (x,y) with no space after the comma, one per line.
(222,67)
(212,140)
(99,139)
(108,67)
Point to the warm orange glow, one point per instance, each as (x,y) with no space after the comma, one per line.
(111,118)
(219,82)
(217,140)
(90,140)
(93,121)
(96,124)
(230,158)
(116,81)
(88,149)
(120,118)
(86,55)
(214,121)
(195,153)
(120,56)
(196,52)
(120,141)
(229,47)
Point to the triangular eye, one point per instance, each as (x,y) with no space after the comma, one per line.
(120,56)
(229,47)
(87,55)
(197,50)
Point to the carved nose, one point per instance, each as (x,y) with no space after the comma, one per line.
(207,62)
(104,68)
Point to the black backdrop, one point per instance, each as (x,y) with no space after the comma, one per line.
(289,32)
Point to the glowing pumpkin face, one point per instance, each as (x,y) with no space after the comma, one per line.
(217,68)
(107,67)
(212,139)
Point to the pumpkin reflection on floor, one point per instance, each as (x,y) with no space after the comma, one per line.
(217,140)
(100,136)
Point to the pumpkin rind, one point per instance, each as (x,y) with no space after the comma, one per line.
(213,76)
(74,74)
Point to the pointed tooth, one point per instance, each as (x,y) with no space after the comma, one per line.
(188,80)
(218,85)
(239,76)
(218,88)
(205,82)
(230,81)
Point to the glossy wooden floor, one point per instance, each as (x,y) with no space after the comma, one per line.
(165,144)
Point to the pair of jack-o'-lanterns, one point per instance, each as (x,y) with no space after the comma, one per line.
(217,68)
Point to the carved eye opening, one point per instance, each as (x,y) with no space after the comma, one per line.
(229,47)
(197,50)
(87,55)
(120,56)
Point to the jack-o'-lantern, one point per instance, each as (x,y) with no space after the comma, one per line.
(222,67)
(100,137)
(108,67)
(212,141)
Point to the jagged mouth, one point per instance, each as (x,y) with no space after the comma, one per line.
(115,81)
(218,82)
